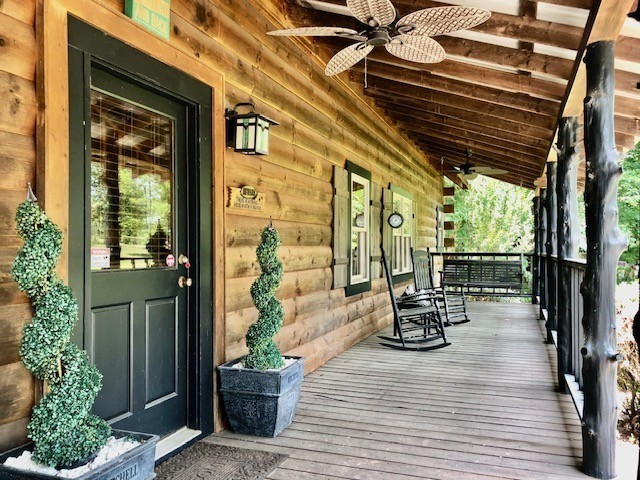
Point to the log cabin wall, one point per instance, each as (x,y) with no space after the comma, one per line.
(18,107)
(322,124)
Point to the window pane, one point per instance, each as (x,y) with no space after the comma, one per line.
(131,185)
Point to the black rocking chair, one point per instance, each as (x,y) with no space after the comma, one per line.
(453,302)
(416,320)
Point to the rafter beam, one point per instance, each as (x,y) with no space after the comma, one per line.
(464,72)
(500,24)
(419,97)
(395,109)
(414,78)
(456,136)
(508,157)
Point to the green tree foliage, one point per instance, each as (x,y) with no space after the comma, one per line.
(263,351)
(61,427)
(629,204)
(493,216)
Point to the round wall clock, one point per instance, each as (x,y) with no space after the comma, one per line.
(395,220)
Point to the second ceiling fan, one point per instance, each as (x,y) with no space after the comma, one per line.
(408,37)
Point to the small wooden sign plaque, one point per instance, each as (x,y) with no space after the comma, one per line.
(154,15)
(246,198)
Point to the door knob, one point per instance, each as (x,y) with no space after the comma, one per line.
(184,281)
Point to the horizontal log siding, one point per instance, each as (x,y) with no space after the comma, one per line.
(18,107)
(321,126)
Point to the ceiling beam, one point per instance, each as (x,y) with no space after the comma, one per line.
(442,131)
(455,155)
(519,58)
(516,160)
(470,128)
(441,151)
(627,48)
(507,124)
(500,24)
(462,89)
(464,129)
(513,82)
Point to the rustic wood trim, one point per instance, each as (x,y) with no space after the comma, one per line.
(448,208)
(53,126)
(448,191)
(449,242)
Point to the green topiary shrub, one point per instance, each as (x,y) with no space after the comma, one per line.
(61,426)
(263,352)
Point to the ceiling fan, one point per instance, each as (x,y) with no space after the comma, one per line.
(408,37)
(468,171)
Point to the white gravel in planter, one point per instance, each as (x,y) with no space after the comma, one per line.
(287,362)
(113,448)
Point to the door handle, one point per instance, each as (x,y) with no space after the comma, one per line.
(184,281)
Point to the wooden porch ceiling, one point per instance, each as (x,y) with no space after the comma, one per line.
(503,85)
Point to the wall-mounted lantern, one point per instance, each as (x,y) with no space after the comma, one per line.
(248,133)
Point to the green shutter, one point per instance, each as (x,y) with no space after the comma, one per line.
(387,231)
(375,232)
(340,227)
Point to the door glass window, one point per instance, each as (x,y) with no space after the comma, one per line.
(132,218)
(402,237)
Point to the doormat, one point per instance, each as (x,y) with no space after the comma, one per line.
(216,462)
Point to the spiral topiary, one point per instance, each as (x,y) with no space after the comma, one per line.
(61,427)
(263,352)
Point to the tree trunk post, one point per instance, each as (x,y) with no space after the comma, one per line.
(535,261)
(552,249)
(605,243)
(567,193)
(544,261)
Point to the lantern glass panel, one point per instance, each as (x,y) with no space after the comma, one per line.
(262,137)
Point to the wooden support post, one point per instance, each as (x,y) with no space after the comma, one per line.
(535,261)
(542,235)
(568,228)
(552,249)
(605,243)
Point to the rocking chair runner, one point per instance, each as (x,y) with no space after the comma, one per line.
(416,320)
(453,302)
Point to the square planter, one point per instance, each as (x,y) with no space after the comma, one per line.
(136,464)
(261,402)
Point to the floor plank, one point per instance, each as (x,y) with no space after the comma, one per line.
(485,407)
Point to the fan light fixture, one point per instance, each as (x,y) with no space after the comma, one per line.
(248,133)
(408,38)
(468,171)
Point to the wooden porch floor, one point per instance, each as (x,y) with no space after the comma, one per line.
(485,407)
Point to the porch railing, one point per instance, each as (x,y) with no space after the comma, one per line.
(577,268)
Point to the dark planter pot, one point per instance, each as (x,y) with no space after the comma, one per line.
(261,403)
(136,464)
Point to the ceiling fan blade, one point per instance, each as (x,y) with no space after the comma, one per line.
(489,171)
(347,58)
(468,176)
(375,13)
(441,20)
(317,32)
(416,49)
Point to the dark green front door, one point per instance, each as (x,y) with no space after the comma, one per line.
(136,329)
(140,253)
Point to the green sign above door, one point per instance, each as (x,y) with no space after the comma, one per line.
(152,14)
